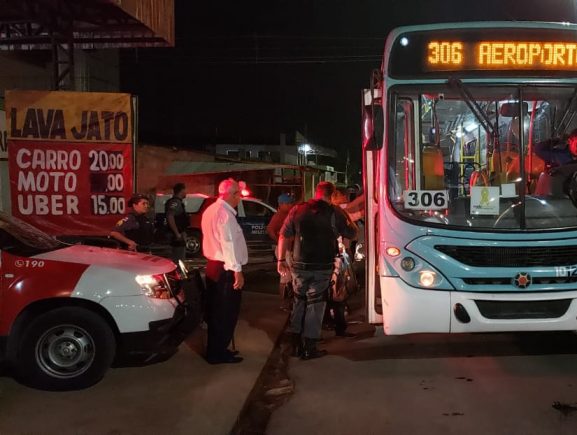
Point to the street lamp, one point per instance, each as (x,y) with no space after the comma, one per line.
(305,148)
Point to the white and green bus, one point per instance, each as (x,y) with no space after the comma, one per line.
(471,201)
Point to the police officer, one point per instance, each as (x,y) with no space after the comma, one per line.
(135,231)
(310,234)
(177,222)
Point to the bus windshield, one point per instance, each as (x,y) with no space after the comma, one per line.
(483,157)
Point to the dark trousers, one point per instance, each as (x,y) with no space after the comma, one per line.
(222,309)
(310,289)
(338,316)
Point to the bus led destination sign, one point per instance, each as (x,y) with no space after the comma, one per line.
(444,55)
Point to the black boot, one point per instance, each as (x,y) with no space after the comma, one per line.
(297,345)
(310,350)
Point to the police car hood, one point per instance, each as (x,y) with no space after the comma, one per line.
(111,258)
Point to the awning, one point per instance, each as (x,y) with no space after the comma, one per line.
(89,24)
(198,168)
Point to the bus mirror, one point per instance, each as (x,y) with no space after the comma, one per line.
(512,110)
(368,129)
(372,128)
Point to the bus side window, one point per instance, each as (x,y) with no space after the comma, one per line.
(402,157)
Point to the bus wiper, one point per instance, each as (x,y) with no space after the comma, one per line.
(473,105)
(568,115)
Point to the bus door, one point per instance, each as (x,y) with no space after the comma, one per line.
(372,149)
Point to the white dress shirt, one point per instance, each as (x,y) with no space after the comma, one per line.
(222,237)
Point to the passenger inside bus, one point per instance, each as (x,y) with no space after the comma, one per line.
(556,152)
(561,159)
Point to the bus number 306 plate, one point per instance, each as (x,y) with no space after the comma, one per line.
(426,199)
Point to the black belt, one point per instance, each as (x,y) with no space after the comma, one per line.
(297,265)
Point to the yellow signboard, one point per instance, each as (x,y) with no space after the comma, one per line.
(69,116)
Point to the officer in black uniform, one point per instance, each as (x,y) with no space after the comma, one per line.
(136,230)
(177,222)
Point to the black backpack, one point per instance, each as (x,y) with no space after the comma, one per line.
(315,242)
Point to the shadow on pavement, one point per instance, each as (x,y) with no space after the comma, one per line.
(369,342)
(421,346)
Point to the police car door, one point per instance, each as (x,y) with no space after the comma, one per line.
(253,217)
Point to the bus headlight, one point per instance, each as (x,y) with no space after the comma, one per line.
(427,278)
(416,272)
(408,263)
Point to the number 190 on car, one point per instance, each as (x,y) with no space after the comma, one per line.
(426,199)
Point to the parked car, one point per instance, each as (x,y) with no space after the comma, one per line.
(67,311)
(253,216)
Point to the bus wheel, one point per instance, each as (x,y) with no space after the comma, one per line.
(65,349)
(193,243)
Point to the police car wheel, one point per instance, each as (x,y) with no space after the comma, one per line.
(193,243)
(64,349)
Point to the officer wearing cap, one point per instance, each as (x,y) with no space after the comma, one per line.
(285,203)
(136,230)
(177,222)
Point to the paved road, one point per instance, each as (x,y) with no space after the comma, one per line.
(183,395)
(435,384)
(420,384)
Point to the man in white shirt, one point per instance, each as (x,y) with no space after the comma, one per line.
(224,246)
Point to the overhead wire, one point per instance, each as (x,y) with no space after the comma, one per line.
(267,49)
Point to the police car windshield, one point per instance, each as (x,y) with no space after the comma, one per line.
(19,236)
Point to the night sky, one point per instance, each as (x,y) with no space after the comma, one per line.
(246,71)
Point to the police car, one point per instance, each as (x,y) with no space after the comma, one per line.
(253,216)
(68,311)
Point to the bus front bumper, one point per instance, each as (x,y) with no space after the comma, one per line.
(409,310)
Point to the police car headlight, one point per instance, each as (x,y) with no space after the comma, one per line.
(154,286)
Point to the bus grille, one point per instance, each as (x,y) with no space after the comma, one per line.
(521,256)
(542,280)
(523,310)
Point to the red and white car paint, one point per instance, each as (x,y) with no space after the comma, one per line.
(67,312)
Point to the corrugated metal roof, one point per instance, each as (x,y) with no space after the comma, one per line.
(28,25)
(157,15)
